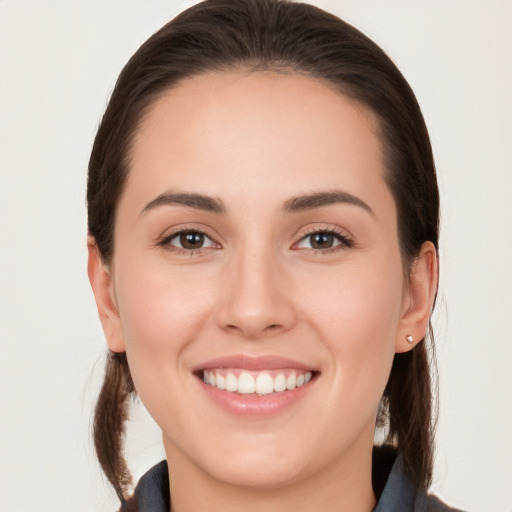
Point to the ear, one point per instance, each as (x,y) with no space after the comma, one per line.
(419,296)
(103,288)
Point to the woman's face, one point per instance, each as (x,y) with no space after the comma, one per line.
(256,242)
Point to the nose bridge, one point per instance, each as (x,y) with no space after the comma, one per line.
(255,299)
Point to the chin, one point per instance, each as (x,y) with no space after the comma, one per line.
(258,473)
(257,461)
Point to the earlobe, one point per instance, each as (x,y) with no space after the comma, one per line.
(102,287)
(419,299)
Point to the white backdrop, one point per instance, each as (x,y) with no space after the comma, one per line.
(58,64)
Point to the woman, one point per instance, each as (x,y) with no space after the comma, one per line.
(263,221)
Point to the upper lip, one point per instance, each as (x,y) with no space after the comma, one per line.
(253,363)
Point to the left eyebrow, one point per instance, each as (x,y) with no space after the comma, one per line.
(320,199)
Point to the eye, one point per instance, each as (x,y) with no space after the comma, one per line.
(323,240)
(189,240)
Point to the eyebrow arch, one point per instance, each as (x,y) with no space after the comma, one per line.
(191,200)
(320,199)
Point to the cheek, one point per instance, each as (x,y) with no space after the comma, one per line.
(161,314)
(358,325)
(159,306)
(362,300)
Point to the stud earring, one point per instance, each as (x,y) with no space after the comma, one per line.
(409,339)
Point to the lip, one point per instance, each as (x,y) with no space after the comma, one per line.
(255,406)
(253,363)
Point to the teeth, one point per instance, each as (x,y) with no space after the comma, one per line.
(280,383)
(231,382)
(246,384)
(291,381)
(261,383)
(264,384)
(220,382)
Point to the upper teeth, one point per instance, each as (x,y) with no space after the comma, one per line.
(261,383)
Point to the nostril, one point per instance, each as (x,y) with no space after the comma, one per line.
(253,333)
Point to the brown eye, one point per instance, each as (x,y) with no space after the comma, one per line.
(191,240)
(188,241)
(322,240)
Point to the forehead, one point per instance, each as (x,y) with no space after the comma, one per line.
(259,129)
(261,98)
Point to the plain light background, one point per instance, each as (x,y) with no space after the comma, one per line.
(58,63)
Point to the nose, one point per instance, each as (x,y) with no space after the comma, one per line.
(257,297)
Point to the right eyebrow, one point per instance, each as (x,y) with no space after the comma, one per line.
(198,201)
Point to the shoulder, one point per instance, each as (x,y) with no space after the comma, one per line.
(152,492)
(396,492)
(429,503)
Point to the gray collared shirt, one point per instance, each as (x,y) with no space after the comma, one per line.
(399,494)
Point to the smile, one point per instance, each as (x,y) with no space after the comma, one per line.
(260,383)
(256,387)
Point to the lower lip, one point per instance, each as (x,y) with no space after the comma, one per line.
(253,405)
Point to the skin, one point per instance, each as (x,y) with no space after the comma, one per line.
(254,141)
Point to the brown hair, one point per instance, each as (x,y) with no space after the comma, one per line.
(275,34)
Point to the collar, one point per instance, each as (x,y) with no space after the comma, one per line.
(393,489)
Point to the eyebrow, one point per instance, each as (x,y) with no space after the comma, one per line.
(320,199)
(192,200)
(295,204)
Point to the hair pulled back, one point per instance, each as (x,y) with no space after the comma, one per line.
(220,35)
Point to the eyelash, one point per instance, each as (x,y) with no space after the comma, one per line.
(345,242)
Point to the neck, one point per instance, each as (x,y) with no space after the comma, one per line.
(343,486)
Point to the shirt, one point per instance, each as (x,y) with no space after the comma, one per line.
(395,493)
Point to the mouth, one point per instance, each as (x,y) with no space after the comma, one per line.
(265,382)
(256,386)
